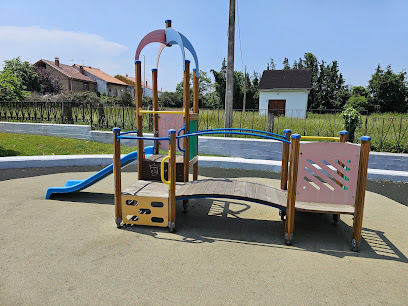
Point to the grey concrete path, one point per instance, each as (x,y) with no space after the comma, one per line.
(68,251)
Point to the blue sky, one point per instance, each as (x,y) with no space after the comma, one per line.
(359,34)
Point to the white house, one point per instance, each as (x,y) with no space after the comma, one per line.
(147,90)
(285,92)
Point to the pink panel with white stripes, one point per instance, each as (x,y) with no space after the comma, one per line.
(318,180)
(167,122)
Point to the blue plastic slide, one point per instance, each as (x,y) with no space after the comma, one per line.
(78,185)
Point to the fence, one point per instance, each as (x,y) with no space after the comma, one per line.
(388,134)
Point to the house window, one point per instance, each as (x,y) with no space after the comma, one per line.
(86,86)
(115,93)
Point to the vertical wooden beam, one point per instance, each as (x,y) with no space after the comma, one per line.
(285,160)
(293,174)
(195,93)
(196,111)
(186,105)
(343,139)
(186,141)
(117,177)
(155,108)
(139,118)
(343,136)
(360,193)
(172,179)
(229,86)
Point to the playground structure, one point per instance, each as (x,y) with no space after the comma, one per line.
(322,177)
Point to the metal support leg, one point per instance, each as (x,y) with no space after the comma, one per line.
(336,219)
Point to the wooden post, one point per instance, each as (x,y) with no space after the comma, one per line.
(186,141)
(271,121)
(172,178)
(293,173)
(139,118)
(229,86)
(195,111)
(360,193)
(155,108)
(117,177)
(284,168)
(343,139)
(186,105)
(285,160)
(195,93)
(343,136)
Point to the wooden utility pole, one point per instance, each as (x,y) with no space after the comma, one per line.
(244,102)
(229,92)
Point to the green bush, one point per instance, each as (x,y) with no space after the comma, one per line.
(359,103)
(352,121)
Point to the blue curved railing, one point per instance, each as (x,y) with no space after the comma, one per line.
(230,131)
(243,129)
(178,139)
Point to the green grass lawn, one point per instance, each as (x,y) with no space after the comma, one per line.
(31,145)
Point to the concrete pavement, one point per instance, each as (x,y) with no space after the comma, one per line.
(68,251)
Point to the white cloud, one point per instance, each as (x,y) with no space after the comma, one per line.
(33,43)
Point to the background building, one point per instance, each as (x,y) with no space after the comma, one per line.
(285,92)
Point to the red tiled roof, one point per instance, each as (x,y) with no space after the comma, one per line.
(102,75)
(69,71)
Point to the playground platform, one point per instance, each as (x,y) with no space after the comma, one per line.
(68,250)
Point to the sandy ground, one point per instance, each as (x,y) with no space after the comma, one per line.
(68,250)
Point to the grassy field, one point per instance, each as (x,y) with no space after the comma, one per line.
(31,145)
(389,131)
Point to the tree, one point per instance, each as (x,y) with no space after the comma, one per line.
(271,65)
(389,90)
(285,63)
(48,83)
(328,90)
(360,91)
(11,87)
(170,99)
(220,78)
(23,71)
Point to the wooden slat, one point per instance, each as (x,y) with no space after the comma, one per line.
(325,208)
(234,189)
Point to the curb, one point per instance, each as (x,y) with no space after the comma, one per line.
(47,161)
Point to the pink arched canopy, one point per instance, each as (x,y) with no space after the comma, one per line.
(167,37)
(154,36)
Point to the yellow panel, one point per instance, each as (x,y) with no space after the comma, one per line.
(139,210)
